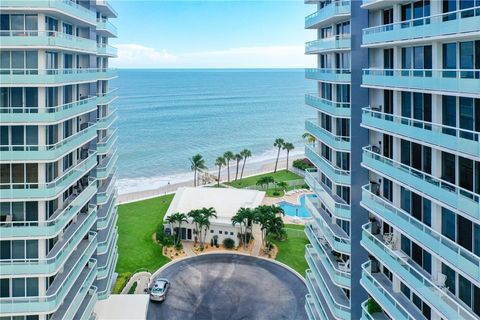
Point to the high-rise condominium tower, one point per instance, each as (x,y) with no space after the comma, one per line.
(57,158)
(413,176)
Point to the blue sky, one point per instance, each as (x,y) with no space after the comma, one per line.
(212,34)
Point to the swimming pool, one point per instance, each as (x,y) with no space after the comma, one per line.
(292,210)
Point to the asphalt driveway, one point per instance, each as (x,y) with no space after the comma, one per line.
(230,287)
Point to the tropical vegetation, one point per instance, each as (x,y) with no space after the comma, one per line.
(244,218)
(197,163)
(219,163)
(291,250)
(238,157)
(278,144)
(228,156)
(289,147)
(245,153)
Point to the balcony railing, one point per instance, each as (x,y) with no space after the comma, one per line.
(339,176)
(438,135)
(106,25)
(336,109)
(334,141)
(449,80)
(106,121)
(328,74)
(106,49)
(338,243)
(37,76)
(336,9)
(334,43)
(455,22)
(447,304)
(437,243)
(437,188)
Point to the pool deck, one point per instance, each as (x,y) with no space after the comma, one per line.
(293,199)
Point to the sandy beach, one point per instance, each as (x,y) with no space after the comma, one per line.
(147,191)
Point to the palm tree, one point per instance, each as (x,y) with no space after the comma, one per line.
(219,162)
(282,185)
(289,147)
(265,181)
(245,154)
(244,217)
(196,216)
(239,219)
(228,156)
(310,138)
(197,163)
(278,144)
(207,214)
(178,218)
(238,158)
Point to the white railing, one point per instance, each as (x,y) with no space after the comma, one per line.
(37,110)
(48,72)
(425,73)
(334,104)
(316,123)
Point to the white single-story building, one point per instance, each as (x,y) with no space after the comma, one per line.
(225,201)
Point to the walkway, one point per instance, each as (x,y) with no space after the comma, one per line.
(257,235)
(142,279)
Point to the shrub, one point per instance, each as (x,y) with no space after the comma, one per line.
(179,246)
(168,241)
(121,282)
(160,233)
(133,287)
(373,306)
(228,243)
(276,193)
(302,164)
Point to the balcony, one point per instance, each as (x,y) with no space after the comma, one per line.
(48,190)
(107,97)
(49,228)
(335,109)
(106,166)
(106,190)
(106,121)
(48,115)
(328,74)
(329,14)
(104,49)
(59,253)
(105,261)
(337,175)
(380,4)
(86,309)
(336,205)
(433,187)
(443,81)
(11,39)
(81,291)
(417,279)
(323,234)
(335,43)
(105,284)
(336,302)
(104,213)
(435,242)
(105,27)
(106,235)
(65,7)
(394,303)
(105,8)
(375,316)
(318,254)
(48,153)
(461,23)
(336,142)
(436,135)
(313,313)
(106,144)
(46,77)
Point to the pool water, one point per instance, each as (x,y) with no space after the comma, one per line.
(292,210)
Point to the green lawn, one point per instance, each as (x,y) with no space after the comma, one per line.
(278,176)
(137,221)
(292,251)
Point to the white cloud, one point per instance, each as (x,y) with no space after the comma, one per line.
(138,56)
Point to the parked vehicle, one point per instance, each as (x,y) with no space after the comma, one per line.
(158,291)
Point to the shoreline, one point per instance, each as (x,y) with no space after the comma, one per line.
(251,169)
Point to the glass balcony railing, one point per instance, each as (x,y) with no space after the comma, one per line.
(455,22)
(105,5)
(106,26)
(336,109)
(20,115)
(437,188)
(330,13)
(107,189)
(49,38)
(107,97)
(340,277)
(107,50)
(437,135)
(321,232)
(106,166)
(70,8)
(33,77)
(337,175)
(445,80)
(106,144)
(106,121)
(35,190)
(52,226)
(328,74)
(337,206)
(375,316)
(105,212)
(437,243)
(447,305)
(334,141)
(334,43)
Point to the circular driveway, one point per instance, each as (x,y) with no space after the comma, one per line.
(230,286)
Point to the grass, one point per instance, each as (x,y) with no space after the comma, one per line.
(137,221)
(292,250)
(282,175)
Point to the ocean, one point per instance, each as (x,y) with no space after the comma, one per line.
(166,116)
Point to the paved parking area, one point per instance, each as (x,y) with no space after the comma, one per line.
(230,286)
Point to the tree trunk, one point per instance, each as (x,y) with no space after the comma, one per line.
(179,232)
(276,162)
(287,158)
(195,177)
(243,167)
(228,170)
(218,181)
(236,173)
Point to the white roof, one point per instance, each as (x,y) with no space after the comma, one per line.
(122,307)
(225,201)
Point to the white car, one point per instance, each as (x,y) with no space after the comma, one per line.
(158,291)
